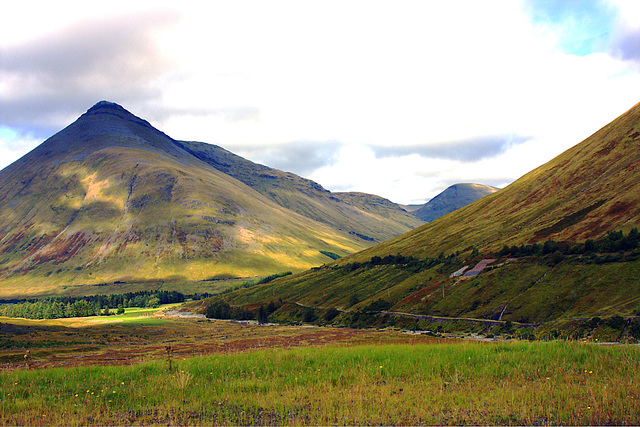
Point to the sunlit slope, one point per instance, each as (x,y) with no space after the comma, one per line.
(365,216)
(110,198)
(583,193)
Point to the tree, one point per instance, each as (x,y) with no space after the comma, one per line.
(153,302)
(589,246)
(262,315)
(331,314)
(309,314)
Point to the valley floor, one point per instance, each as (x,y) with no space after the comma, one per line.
(143,335)
(148,367)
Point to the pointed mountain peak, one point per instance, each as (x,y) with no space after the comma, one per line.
(106,124)
(106,106)
(113,109)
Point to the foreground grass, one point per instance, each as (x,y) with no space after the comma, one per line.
(450,383)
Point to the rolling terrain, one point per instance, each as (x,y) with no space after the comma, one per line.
(112,200)
(543,232)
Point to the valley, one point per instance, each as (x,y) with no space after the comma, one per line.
(148,367)
(319,307)
(414,213)
(564,237)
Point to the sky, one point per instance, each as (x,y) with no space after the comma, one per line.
(395,98)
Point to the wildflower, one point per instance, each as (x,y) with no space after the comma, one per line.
(591,372)
(76,394)
(114,392)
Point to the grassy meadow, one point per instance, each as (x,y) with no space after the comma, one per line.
(412,383)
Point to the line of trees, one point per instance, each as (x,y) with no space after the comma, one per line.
(614,241)
(94,305)
(222,310)
(408,262)
(251,283)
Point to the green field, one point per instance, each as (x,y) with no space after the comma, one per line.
(132,315)
(446,382)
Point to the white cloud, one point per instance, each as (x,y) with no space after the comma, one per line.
(363,75)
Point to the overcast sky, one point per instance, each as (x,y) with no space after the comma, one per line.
(395,98)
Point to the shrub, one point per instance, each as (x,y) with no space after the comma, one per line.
(377,306)
(309,315)
(331,255)
(331,314)
(616,322)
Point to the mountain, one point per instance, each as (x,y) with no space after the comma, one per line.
(559,243)
(110,199)
(583,193)
(451,199)
(370,218)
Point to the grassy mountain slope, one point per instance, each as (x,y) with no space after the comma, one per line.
(112,199)
(451,199)
(587,191)
(590,189)
(365,216)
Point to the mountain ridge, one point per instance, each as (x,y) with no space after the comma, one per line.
(112,199)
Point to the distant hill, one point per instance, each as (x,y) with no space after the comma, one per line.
(411,208)
(561,242)
(110,199)
(451,199)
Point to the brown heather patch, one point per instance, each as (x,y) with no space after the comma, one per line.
(120,344)
(620,209)
(16,240)
(419,295)
(608,147)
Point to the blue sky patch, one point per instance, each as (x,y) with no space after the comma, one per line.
(583,27)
